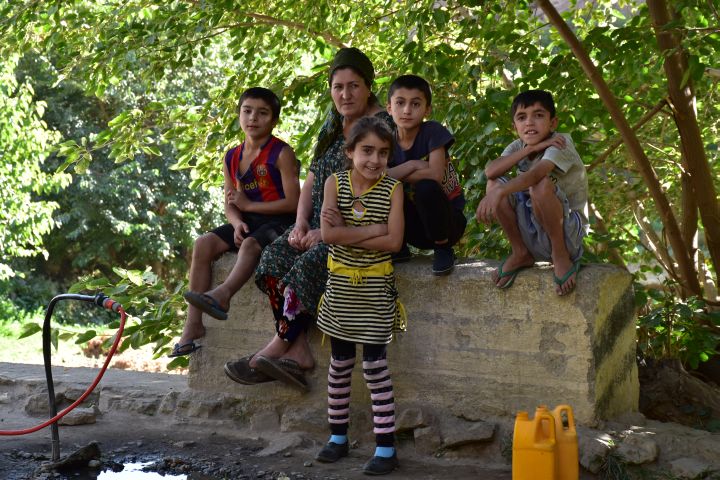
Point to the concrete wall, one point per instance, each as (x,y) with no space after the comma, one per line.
(471,350)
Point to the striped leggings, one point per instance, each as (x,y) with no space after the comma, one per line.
(377,378)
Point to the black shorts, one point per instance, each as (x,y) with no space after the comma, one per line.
(263,228)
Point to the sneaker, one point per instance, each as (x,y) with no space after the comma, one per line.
(444,261)
(402,256)
(381,465)
(332,452)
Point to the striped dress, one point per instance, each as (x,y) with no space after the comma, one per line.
(360,301)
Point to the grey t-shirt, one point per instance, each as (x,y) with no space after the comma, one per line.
(569,172)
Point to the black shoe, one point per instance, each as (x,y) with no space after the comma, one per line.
(402,256)
(332,452)
(444,261)
(381,465)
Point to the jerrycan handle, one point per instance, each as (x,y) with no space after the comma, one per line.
(539,417)
(570,418)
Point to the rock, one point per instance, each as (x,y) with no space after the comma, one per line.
(79,416)
(410,419)
(73,393)
(638,448)
(267,421)
(281,444)
(688,467)
(78,459)
(287,454)
(5,398)
(456,432)
(94,463)
(427,440)
(37,404)
(308,463)
(593,448)
(309,420)
(185,443)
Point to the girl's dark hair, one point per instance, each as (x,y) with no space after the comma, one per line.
(367,125)
(264,94)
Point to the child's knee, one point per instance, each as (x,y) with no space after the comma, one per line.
(544,189)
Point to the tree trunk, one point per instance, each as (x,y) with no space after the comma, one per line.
(693,151)
(686,271)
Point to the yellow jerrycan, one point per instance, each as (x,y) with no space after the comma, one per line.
(534,446)
(567,460)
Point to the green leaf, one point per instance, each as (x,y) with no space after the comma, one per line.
(29,329)
(86,336)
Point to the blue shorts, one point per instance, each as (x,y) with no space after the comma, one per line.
(534,236)
(263,228)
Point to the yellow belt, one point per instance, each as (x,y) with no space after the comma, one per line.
(358,275)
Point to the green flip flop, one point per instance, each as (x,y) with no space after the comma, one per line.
(512,274)
(559,281)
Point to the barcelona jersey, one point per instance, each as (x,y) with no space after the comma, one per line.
(262,181)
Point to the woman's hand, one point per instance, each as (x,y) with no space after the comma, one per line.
(295,239)
(312,238)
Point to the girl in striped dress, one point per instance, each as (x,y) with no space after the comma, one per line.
(362,221)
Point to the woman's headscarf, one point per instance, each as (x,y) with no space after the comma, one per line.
(332,128)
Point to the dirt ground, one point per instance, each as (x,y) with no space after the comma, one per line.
(212,451)
(197,449)
(200,453)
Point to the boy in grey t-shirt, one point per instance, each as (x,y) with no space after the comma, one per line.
(543,209)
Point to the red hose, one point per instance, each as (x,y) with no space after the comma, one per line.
(109,304)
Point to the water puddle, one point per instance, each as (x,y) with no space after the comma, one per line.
(134,471)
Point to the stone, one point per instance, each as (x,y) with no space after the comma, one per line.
(79,416)
(410,419)
(499,351)
(37,404)
(94,463)
(637,448)
(281,444)
(4,397)
(427,440)
(593,448)
(267,421)
(73,393)
(310,420)
(185,444)
(456,432)
(689,467)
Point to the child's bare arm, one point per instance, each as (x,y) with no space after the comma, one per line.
(405,169)
(436,166)
(287,165)
(340,234)
(501,165)
(393,239)
(232,213)
(489,204)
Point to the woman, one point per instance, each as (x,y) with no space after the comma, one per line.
(293,269)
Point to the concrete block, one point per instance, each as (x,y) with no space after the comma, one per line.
(471,349)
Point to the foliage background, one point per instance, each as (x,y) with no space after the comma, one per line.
(140,98)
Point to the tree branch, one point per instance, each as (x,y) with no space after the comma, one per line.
(618,141)
(267,19)
(688,276)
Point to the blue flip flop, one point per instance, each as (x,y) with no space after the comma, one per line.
(184,349)
(512,274)
(559,281)
(206,303)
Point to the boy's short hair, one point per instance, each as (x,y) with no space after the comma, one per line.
(411,82)
(531,97)
(264,94)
